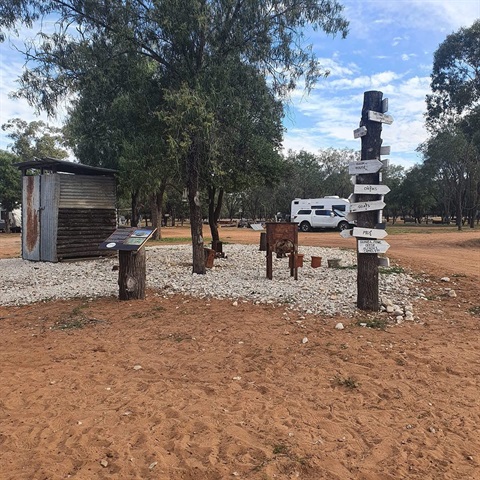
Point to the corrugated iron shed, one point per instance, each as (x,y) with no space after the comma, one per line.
(68,209)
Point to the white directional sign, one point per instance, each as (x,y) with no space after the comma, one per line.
(371,189)
(383,262)
(367,206)
(376,233)
(360,132)
(364,166)
(385,150)
(346,233)
(380,117)
(385,105)
(372,246)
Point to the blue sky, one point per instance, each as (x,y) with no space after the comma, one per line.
(389,48)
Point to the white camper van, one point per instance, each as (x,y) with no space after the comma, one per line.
(327,212)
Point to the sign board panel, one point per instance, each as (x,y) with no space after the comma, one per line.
(372,246)
(371,189)
(129,239)
(380,117)
(376,233)
(346,233)
(360,132)
(258,227)
(364,166)
(385,105)
(367,206)
(383,262)
(385,150)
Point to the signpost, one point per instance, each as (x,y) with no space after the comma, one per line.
(359,132)
(364,166)
(376,233)
(367,211)
(372,246)
(371,189)
(367,206)
(132,274)
(380,117)
(385,150)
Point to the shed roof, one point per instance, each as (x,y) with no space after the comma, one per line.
(55,165)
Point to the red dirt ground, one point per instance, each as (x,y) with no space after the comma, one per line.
(183,388)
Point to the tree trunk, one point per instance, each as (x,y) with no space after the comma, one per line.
(214,210)
(134,207)
(156,206)
(132,274)
(196,220)
(367,272)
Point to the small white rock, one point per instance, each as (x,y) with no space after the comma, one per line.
(137,367)
(339,326)
(304,340)
(445,279)
(452,294)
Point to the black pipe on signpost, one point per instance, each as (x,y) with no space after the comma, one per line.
(367,272)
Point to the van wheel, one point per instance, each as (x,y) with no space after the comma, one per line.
(305,227)
(343,226)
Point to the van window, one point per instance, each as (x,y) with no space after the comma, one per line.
(323,213)
(341,208)
(304,212)
(317,206)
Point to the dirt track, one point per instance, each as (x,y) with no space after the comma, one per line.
(442,253)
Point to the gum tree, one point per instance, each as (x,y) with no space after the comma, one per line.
(189,40)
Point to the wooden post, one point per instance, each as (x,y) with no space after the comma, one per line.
(132,274)
(367,273)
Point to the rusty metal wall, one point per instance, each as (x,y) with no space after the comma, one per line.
(31,218)
(87,191)
(66,216)
(49,199)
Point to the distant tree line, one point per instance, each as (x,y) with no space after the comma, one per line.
(183,110)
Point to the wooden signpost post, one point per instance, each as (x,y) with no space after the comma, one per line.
(132,272)
(369,198)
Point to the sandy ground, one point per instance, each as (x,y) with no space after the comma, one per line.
(181,388)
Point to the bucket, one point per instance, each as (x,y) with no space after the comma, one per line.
(316,262)
(333,263)
(295,260)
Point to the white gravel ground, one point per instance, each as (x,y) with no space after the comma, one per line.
(241,275)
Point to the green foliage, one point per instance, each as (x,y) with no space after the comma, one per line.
(211,59)
(34,139)
(10,181)
(455,76)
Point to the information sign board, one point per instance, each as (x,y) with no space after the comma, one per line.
(127,238)
(372,246)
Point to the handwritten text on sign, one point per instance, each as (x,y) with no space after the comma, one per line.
(376,233)
(367,206)
(380,117)
(364,166)
(371,189)
(372,246)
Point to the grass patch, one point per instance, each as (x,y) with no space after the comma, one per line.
(280,449)
(400,229)
(390,270)
(348,382)
(69,324)
(475,311)
(169,240)
(377,323)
